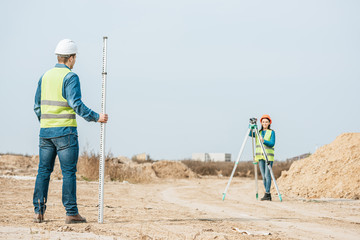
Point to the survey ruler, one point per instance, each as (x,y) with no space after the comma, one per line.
(102,137)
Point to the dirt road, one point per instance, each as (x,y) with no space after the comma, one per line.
(176,209)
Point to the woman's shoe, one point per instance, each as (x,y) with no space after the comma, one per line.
(267,197)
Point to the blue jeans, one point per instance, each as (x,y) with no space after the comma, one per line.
(67,148)
(265,173)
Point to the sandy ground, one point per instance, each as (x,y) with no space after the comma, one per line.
(176,209)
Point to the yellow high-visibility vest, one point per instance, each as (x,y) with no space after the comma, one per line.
(55,110)
(269,150)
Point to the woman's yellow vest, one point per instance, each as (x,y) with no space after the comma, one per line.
(55,110)
(269,150)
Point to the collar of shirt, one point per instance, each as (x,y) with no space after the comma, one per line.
(61,65)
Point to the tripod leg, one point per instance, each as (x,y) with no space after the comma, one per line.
(267,163)
(256,180)
(276,186)
(236,163)
(255,165)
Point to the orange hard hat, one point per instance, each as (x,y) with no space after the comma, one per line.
(265,116)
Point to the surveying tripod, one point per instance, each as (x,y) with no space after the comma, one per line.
(253,129)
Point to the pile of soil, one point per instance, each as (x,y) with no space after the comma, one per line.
(116,169)
(123,169)
(19,165)
(146,172)
(168,169)
(333,171)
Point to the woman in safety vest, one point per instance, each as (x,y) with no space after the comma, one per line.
(267,137)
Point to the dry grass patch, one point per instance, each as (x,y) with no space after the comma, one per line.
(115,169)
(140,171)
(244,169)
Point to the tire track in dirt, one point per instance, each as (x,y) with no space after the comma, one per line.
(294,218)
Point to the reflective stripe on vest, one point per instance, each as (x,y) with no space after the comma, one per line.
(269,150)
(55,110)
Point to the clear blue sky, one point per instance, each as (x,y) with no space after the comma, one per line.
(185,76)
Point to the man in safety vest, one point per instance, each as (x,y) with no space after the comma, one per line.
(57,101)
(267,137)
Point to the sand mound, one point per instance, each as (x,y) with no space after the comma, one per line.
(168,169)
(124,169)
(18,165)
(121,169)
(116,169)
(333,171)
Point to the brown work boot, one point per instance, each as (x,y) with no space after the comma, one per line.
(75,219)
(38,218)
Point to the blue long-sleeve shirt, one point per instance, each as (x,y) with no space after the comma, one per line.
(270,143)
(72,93)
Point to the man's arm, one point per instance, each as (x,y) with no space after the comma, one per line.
(72,93)
(37,105)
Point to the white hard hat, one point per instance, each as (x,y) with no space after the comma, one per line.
(66,47)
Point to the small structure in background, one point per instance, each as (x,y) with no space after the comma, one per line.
(211,157)
(141,157)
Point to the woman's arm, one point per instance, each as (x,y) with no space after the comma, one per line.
(270,143)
